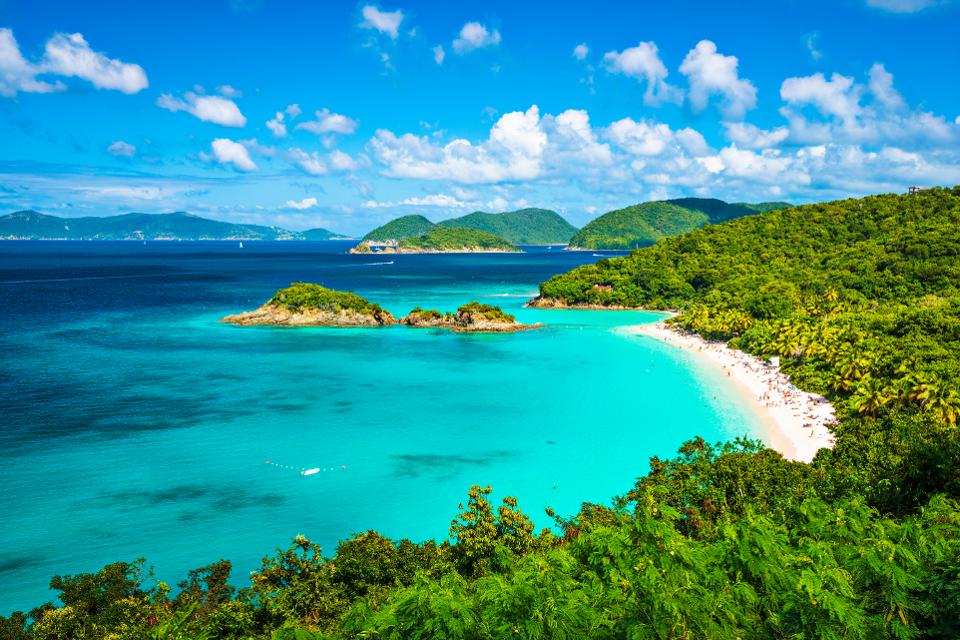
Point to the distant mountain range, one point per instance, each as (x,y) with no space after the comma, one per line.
(524,226)
(31,225)
(643,224)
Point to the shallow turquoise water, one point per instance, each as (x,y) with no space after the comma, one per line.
(139,426)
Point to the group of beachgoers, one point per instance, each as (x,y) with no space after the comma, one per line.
(802,418)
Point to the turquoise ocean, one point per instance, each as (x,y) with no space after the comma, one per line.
(133,424)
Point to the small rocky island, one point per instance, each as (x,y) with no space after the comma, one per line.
(471,317)
(303,304)
(441,240)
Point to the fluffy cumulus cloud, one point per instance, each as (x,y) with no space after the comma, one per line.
(753,137)
(643,63)
(711,73)
(329,122)
(122,149)
(65,55)
(70,55)
(580,51)
(315,163)
(230,153)
(474,36)
(840,109)
(439,54)
(386,22)
(300,205)
(215,109)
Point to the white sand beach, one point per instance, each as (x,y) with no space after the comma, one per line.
(797,423)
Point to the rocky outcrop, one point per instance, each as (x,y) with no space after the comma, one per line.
(280,316)
(473,317)
(555,303)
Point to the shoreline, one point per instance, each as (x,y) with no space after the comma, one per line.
(795,422)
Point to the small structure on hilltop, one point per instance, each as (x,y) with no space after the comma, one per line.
(916,190)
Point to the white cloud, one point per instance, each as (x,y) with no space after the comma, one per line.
(329,122)
(439,54)
(752,137)
(229,91)
(67,55)
(474,36)
(432,200)
(711,73)
(277,126)
(300,205)
(580,51)
(834,97)
(812,40)
(70,55)
(228,152)
(387,22)
(16,74)
(215,109)
(122,149)
(881,86)
(901,6)
(643,63)
(648,138)
(317,164)
(293,110)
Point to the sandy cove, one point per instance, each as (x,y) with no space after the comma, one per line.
(797,423)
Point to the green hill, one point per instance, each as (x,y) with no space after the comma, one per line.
(643,224)
(31,225)
(765,207)
(400,228)
(525,226)
(454,239)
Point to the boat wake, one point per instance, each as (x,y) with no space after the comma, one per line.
(514,295)
(374,264)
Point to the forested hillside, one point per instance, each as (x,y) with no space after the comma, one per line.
(642,224)
(524,226)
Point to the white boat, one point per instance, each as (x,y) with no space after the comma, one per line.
(310,472)
(241,245)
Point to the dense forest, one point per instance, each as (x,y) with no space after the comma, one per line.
(641,225)
(455,239)
(400,228)
(861,301)
(524,226)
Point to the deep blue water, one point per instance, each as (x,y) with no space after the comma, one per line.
(133,424)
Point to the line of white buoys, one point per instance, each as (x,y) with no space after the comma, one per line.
(304,471)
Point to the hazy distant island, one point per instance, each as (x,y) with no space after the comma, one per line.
(304,304)
(472,316)
(441,240)
(31,225)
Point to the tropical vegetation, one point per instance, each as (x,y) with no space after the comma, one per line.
(399,228)
(300,296)
(643,224)
(455,239)
(524,226)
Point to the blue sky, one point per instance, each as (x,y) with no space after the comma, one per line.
(344,115)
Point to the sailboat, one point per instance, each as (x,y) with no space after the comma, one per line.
(241,244)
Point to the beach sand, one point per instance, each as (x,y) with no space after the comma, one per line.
(796,423)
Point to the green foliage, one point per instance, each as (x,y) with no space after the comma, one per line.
(300,296)
(455,239)
(643,224)
(525,226)
(487,311)
(399,229)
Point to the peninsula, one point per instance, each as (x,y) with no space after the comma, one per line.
(442,240)
(304,304)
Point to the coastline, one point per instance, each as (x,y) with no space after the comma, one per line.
(796,423)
